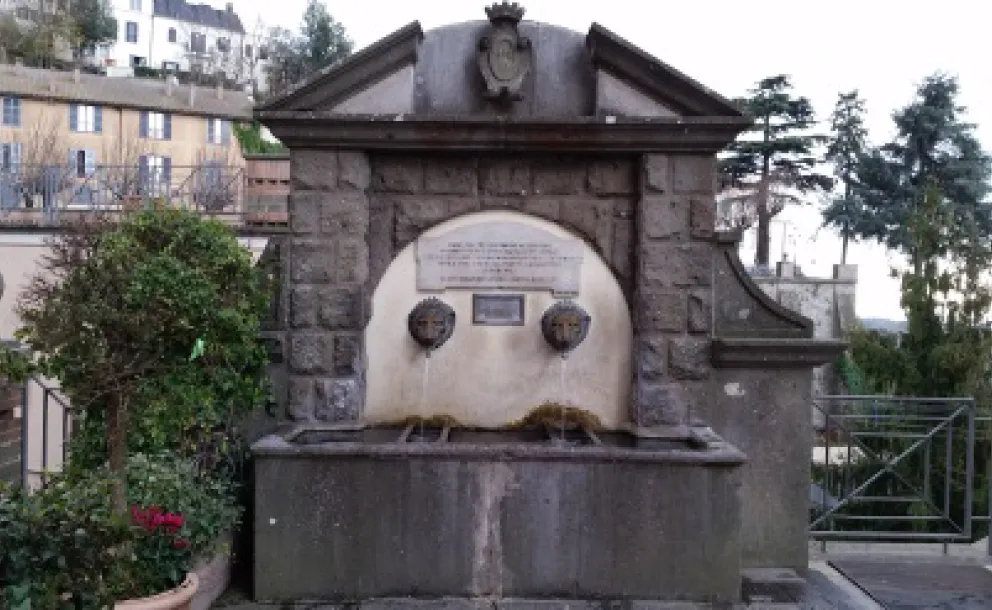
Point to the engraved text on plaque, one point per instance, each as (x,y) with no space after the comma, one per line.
(500,255)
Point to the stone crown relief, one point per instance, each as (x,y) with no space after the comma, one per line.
(505,57)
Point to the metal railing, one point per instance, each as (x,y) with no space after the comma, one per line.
(56,425)
(47,194)
(900,469)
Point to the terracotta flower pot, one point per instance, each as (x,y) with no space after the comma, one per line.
(176,599)
(214,576)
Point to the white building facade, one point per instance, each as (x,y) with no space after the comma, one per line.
(177,36)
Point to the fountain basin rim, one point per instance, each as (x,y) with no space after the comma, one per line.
(715,453)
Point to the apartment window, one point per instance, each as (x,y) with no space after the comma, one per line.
(12,111)
(197,43)
(131,33)
(218,131)
(137,61)
(172,34)
(23,13)
(263,53)
(223,45)
(248,51)
(155,174)
(85,119)
(156,125)
(82,162)
(135,5)
(10,157)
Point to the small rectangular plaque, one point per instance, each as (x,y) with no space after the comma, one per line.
(498,309)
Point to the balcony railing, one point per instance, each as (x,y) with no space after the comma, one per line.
(901,469)
(47,195)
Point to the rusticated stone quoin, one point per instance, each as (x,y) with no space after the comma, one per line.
(657,173)
(694,174)
(310,353)
(665,217)
(702,217)
(313,170)
(673,264)
(700,311)
(689,358)
(660,310)
(661,404)
(651,358)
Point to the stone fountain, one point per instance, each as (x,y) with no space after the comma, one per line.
(520,361)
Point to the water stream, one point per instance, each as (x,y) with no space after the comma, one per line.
(563,369)
(424,382)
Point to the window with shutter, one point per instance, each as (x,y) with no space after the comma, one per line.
(90,162)
(131,32)
(6,157)
(172,34)
(11,112)
(78,161)
(85,119)
(156,125)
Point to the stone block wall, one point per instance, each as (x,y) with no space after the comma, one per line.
(672,289)
(592,196)
(328,267)
(828,302)
(650,218)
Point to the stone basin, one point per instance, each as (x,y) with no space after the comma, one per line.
(351,513)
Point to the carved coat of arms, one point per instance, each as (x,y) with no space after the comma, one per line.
(505,57)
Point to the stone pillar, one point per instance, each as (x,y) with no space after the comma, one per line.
(328,262)
(672,292)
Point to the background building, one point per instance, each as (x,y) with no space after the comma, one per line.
(179,37)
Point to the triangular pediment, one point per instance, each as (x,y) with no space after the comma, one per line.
(358,84)
(646,84)
(569,76)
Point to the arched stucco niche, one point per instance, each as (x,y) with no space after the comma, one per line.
(487,376)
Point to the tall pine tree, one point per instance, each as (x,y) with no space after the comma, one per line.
(934,149)
(845,150)
(772,164)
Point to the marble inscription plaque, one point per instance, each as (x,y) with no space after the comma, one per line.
(500,255)
(498,309)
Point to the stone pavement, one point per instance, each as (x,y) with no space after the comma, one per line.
(826,590)
(846,576)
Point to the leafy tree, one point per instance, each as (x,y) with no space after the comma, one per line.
(40,39)
(252,143)
(95,23)
(845,150)
(151,326)
(325,40)
(322,41)
(933,148)
(945,350)
(772,164)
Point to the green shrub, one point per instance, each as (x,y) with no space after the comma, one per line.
(151,325)
(58,546)
(64,547)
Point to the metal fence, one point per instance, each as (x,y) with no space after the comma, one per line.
(900,469)
(48,194)
(47,424)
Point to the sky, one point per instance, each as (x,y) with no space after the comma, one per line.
(883,48)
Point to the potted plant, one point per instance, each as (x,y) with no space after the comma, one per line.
(151,326)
